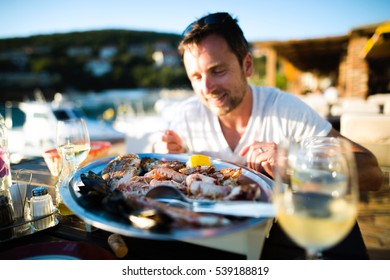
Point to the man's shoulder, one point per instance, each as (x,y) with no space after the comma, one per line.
(268,90)
(267,94)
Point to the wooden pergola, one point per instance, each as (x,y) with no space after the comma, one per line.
(348,59)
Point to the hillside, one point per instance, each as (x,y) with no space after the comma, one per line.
(91,60)
(90,38)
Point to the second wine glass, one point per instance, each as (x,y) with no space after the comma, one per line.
(316,192)
(74,132)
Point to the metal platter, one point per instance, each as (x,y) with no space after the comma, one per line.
(109,222)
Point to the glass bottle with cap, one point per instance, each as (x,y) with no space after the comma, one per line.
(41,205)
(5,167)
(67,169)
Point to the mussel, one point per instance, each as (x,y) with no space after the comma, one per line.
(94,190)
(138,211)
(93,182)
(96,195)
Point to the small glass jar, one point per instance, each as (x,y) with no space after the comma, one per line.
(5,166)
(6,218)
(41,205)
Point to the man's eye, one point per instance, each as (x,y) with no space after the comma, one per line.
(219,71)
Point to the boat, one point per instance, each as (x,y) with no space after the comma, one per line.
(143,129)
(38,131)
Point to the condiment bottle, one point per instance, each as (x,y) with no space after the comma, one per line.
(5,167)
(6,218)
(41,205)
(68,167)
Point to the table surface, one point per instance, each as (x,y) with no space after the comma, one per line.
(276,247)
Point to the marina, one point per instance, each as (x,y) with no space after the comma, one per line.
(127,116)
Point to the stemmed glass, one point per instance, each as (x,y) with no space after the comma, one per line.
(73,145)
(74,132)
(316,192)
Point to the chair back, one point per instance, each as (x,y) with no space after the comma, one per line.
(369,130)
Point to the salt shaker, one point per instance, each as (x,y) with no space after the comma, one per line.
(41,204)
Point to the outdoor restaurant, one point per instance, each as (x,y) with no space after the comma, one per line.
(118,199)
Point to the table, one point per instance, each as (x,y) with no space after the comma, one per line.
(276,246)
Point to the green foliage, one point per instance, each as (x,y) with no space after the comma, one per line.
(40,64)
(89,38)
(259,74)
(49,54)
(281,81)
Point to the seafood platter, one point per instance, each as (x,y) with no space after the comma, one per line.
(112,194)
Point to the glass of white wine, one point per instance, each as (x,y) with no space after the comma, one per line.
(73,144)
(316,192)
(74,132)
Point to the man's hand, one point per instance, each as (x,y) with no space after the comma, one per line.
(170,143)
(260,156)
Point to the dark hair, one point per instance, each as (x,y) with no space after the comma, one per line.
(221,24)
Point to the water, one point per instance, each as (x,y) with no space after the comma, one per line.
(94,105)
(107,113)
(98,105)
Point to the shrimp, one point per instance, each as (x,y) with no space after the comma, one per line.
(148,164)
(136,185)
(165,173)
(172,183)
(205,186)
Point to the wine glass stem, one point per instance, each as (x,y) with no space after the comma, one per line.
(313,254)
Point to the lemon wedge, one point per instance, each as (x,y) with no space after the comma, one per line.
(198,160)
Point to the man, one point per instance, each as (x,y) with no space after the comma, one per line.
(233,120)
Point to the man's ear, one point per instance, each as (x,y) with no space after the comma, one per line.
(248,65)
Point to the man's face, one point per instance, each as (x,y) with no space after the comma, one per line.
(216,75)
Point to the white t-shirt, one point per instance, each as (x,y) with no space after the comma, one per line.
(276,116)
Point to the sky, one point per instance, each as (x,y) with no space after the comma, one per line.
(259,19)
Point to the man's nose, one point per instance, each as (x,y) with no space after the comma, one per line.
(208,84)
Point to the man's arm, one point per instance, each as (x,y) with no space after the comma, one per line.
(369,173)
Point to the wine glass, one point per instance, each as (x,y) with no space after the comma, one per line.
(316,192)
(74,132)
(73,144)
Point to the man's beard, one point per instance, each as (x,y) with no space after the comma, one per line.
(233,101)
